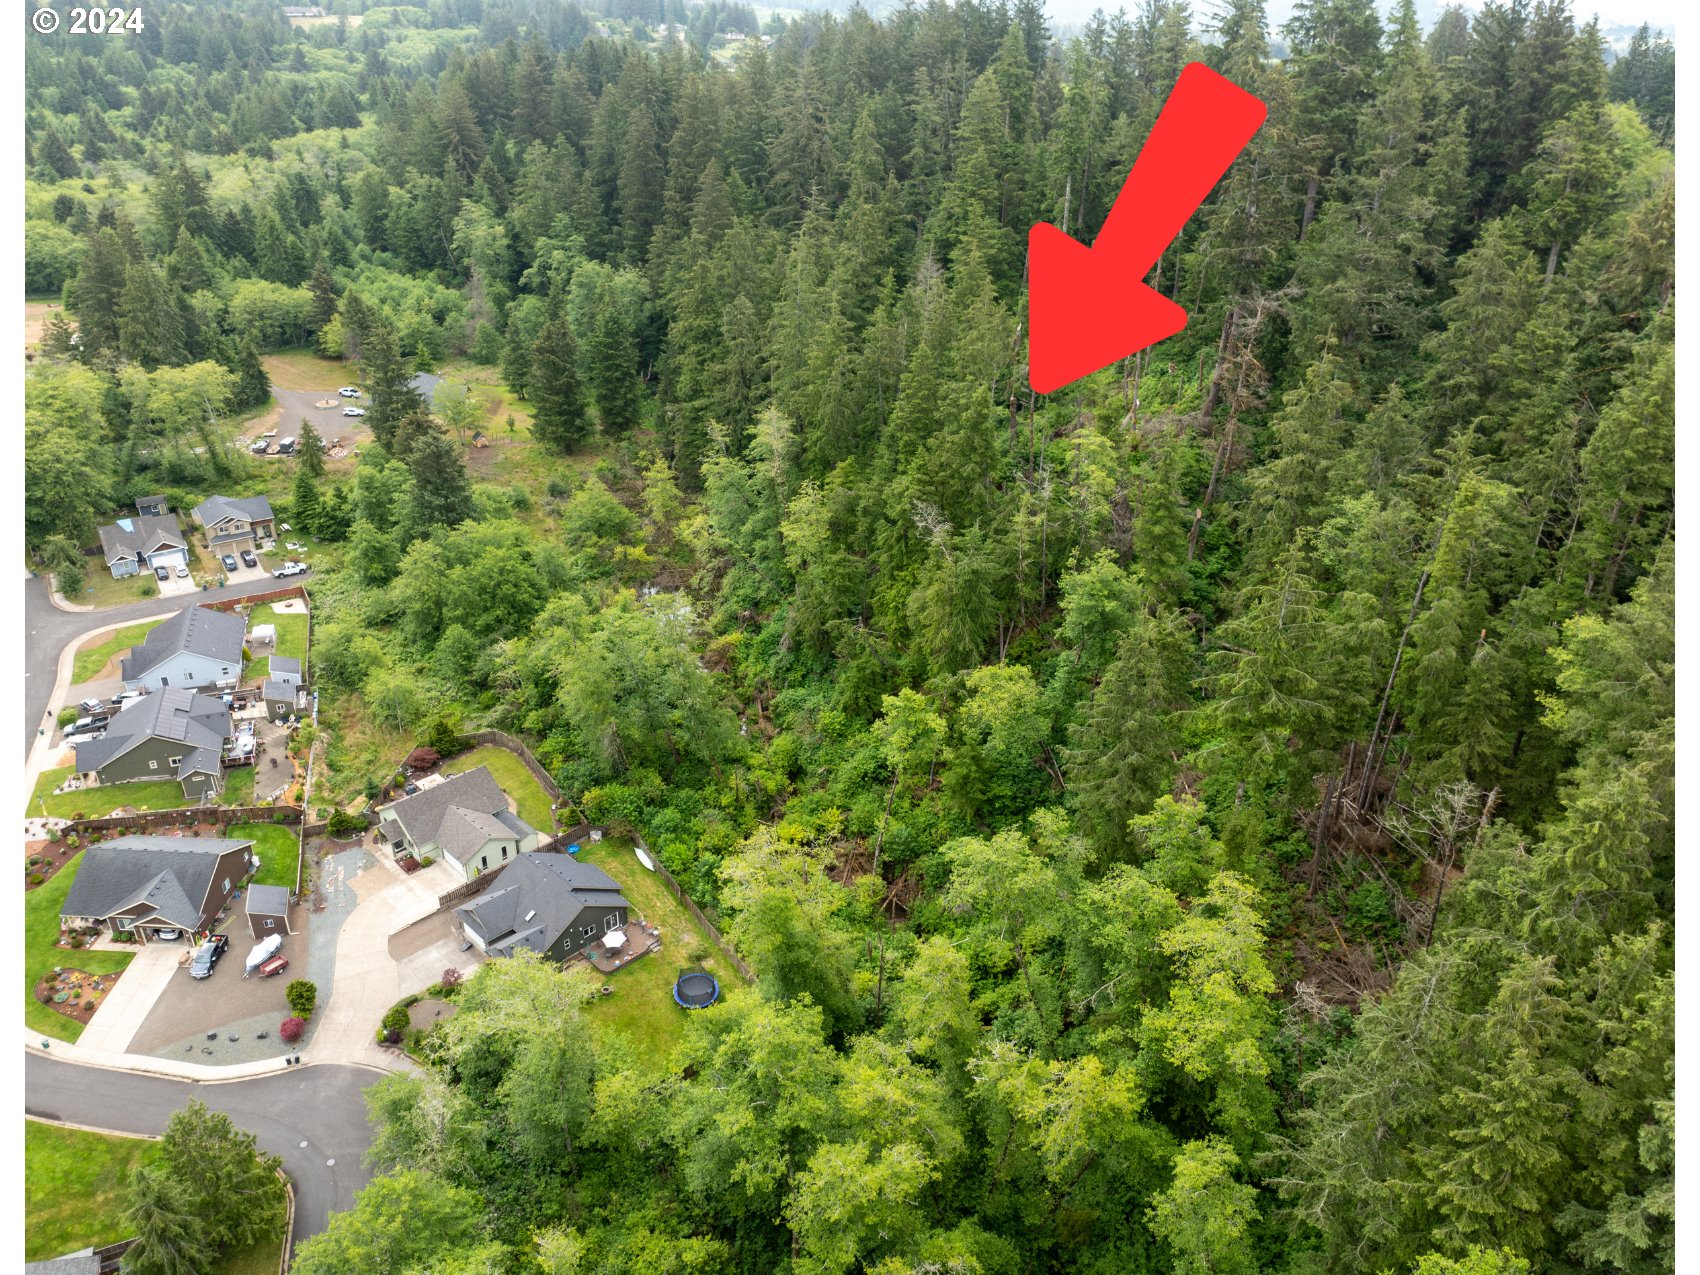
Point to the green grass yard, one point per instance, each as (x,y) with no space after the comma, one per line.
(74,1196)
(278,848)
(238,786)
(74,1187)
(514,777)
(93,657)
(291,633)
(93,803)
(101,590)
(42,953)
(642,1008)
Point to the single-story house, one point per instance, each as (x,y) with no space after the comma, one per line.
(150,506)
(268,910)
(466,820)
(235,523)
(285,699)
(147,884)
(549,903)
(171,734)
(134,545)
(196,647)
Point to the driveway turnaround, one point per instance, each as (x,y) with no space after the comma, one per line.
(319,1106)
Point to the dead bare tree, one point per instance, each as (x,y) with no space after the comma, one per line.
(1449,817)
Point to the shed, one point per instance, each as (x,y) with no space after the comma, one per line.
(263,633)
(268,910)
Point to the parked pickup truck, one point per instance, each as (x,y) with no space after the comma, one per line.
(274,965)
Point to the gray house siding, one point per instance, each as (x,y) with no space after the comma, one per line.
(587,928)
(187,669)
(152,759)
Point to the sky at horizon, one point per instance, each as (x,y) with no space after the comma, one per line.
(1611,13)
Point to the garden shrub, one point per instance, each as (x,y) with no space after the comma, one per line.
(452,978)
(68,715)
(341,823)
(395,1023)
(290,1029)
(302,995)
(36,878)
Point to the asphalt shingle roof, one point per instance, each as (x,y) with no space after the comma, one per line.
(247,508)
(134,536)
(268,900)
(536,899)
(459,815)
(199,722)
(170,875)
(197,630)
(284,664)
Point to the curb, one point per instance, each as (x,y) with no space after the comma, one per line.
(89,1128)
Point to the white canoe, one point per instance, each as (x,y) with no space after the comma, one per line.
(643,857)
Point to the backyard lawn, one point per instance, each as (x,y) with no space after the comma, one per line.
(278,848)
(642,1008)
(74,1187)
(42,953)
(93,803)
(91,659)
(238,786)
(516,780)
(291,633)
(74,1196)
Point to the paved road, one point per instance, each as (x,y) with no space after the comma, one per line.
(319,1105)
(48,629)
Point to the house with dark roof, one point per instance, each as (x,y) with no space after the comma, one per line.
(196,647)
(171,734)
(148,884)
(549,903)
(150,506)
(467,820)
(132,545)
(235,523)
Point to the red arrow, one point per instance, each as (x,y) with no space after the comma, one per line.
(1088,307)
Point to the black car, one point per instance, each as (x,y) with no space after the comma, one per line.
(248,558)
(162,573)
(207,954)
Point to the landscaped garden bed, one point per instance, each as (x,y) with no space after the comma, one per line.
(74,993)
(42,859)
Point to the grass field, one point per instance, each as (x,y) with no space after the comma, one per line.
(291,632)
(239,786)
(100,589)
(301,369)
(74,1196)
(278,848)
(42,953)
(94,803)
(74,1187)
(642,1008)
(514,777)
(93,657)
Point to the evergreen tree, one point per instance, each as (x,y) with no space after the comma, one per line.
(253,387)
(611,359)
(559,420)
(387,381)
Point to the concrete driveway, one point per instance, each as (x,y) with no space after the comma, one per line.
(176,586)
(128,1004)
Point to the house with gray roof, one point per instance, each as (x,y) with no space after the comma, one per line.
(467,820)
(196,647)
(171,734)
(235,523)
(148,884)
(549,903)
(268,910)
(132,545)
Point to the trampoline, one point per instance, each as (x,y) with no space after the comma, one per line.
(695,989)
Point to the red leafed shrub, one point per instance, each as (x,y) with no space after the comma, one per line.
(452,977)
(291,1028)
(423,758)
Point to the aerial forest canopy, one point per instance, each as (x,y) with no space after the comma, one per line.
(1214,818)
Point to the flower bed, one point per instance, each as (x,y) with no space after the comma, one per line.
(74,993)
(42,859)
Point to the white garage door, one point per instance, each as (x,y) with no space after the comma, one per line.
(169,558)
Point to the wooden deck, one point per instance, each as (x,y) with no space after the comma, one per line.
(641,939)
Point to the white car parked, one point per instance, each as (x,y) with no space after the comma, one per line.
(348,391)
(354,411)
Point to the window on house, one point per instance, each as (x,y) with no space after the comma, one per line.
(611,922)
(227,884)
(483,860)
(153,765)
(504,852)
(173,761)
(164,681)
(270,924)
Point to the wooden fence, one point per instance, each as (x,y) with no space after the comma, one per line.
(259,599)
(708,926)
(186,817)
